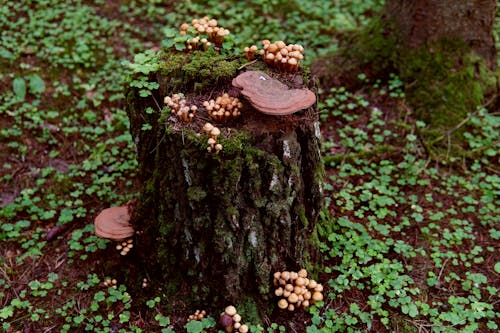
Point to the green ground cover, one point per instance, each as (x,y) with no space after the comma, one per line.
(409,244)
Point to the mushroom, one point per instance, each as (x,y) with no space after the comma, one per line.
(114,223)
(230,310)
(282,304)
(227,322)
(270,96)
(317,296)
(296,290)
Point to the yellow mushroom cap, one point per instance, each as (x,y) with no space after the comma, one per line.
(317,296)
(282,303)
(230,310)
(293,298)
(215,131)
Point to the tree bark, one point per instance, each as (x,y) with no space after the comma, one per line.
(421,22)
(216,226)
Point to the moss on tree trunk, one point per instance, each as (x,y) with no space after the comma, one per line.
(215,226)
(444,52)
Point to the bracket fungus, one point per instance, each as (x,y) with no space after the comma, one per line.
(270,96)
(114,223)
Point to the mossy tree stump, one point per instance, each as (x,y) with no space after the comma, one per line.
(216,226)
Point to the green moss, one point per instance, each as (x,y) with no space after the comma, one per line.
(444,84)
(234,145)
(196,193)
(249,310)
(195,71)
(444,81)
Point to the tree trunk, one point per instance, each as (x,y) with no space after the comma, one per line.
(217,225)
(445,52)
(421,22)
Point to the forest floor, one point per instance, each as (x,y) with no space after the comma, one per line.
(410,244)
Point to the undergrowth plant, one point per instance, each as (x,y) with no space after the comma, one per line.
(409,244)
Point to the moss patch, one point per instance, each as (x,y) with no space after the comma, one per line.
(445,81)
(195,71)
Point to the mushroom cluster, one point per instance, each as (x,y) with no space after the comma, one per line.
(110,283)
(198,43)
(177,104)
(206,26)
(125,246)
(282,56)
(213,133)
(144,283)
(198,315)
(250,52)
(296,289)
(223,107)
(231,320)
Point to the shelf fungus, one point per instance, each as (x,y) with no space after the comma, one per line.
(223,108)
(114,223)
(296,290)
(270,96)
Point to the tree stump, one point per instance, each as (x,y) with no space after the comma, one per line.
(215,226)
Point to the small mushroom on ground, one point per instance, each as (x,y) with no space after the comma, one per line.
(125,246)
(296,290)
(114,223)
(110,283)
(271,96)
(231,320)
(198,315)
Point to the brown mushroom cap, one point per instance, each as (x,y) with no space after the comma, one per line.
(272,97)
(113,223)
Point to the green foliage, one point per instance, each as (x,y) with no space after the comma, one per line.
(407,244)
(144,64)
(199,326)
